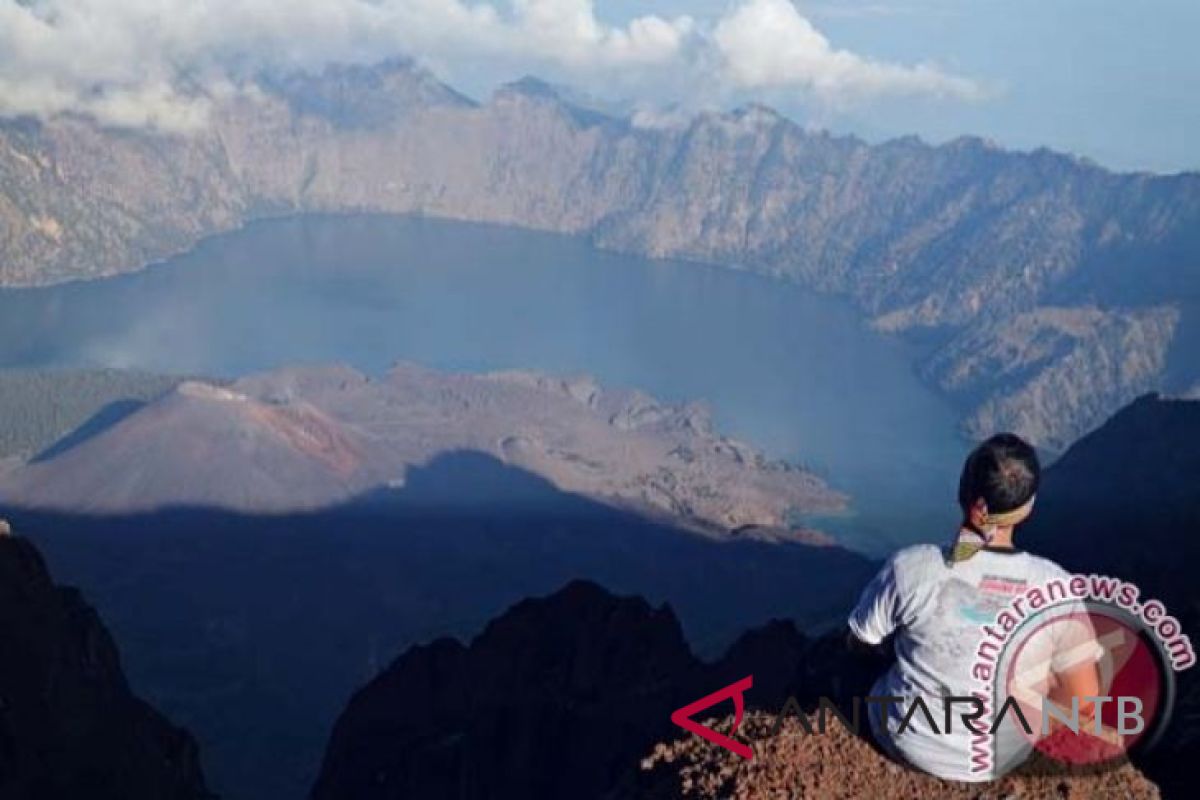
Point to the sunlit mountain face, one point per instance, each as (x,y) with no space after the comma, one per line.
(361,362)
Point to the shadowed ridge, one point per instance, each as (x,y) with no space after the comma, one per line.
(560,696)
(69,725)
(281,617)
(1124,501)
(550,700)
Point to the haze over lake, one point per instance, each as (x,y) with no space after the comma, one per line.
(795,373)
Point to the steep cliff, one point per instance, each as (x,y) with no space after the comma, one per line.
(69,725)
(956,238)
(1124,501)
(559,697)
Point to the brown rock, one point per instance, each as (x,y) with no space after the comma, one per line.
(794,765)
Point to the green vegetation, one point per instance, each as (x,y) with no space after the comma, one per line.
(40,406)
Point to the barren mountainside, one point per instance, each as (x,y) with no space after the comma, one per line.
(1055,262)
(306,438)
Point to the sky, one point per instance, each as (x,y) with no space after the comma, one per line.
(1113,81)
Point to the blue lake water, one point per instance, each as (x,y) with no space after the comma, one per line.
(795,373)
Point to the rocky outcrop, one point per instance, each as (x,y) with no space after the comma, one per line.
(571,696)
(1050,373)
(313,437)
(949,238)
(1123,502)
(69,725)
(559,697)
(789,762)
(551,700)
(1119,501)
(256,628)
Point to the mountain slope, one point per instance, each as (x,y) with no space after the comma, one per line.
(311,437)
(567,695)
(559,696)
(254,629)
(40,407)
(962,238)
(1124,501)
(69,725)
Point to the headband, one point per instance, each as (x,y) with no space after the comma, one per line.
(969,543)
(1016,516)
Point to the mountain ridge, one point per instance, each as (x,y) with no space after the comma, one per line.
(557,696)
(958,239)
(310,437)
(571,695)
(70,726)
(1122,502)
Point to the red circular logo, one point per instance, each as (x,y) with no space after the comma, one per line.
(1089,682)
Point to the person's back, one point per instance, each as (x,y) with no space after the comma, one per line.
(935,602)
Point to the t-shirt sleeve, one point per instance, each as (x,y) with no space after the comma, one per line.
(1074,637)
(1075,643)
(876,615)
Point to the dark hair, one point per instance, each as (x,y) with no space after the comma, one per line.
(1004,471)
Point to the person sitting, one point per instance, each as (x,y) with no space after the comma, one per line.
(934,601)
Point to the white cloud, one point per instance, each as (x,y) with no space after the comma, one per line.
(768,44)
(153,62)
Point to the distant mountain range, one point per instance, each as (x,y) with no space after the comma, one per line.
(307,438)
(1054,291)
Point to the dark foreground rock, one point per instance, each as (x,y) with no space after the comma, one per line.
(69,725)
(1124,502)
(571,696)
(559,697)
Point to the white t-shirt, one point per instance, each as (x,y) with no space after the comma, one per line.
(936,611)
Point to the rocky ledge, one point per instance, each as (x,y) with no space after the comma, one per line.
(840,766)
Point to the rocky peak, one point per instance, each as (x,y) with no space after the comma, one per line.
(1123,502)
(366,97)
(69,724)
(550,700)
(558,697)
